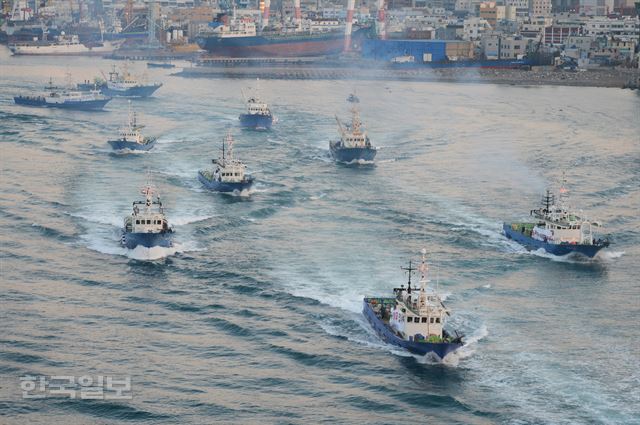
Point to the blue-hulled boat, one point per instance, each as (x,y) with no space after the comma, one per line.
(147,225)
(354,144)
(124,84)
(65,98)
(413,319)
(164,65)
(258,115)
(556,229)
(131,137)
(228,173)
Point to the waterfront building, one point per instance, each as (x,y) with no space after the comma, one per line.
(596,7)
(474,27)
(540,8)
(499,46)
(492,12)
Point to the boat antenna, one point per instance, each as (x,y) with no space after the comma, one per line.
(409,270)
(437,277)
(355,120)
(424,268)
(563,192)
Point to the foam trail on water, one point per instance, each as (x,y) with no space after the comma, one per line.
(181,221)
(156,253)
(111,220)
(139,253)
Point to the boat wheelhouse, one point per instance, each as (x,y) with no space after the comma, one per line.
(414,318)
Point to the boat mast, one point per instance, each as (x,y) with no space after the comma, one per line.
(424,268)
(409,270)
(547,201)
(563,192)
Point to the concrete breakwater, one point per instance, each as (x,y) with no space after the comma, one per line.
(535,76)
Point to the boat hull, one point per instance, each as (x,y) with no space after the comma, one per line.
(555,249)
(225,187)
(147,240)
(440,349)
(137,91)
(255,121)
(275,46)
(160,65)
(85,105)
(121,145)
(348,155)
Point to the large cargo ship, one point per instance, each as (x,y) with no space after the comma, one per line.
(239,38)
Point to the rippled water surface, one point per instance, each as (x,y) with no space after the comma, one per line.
(255,315)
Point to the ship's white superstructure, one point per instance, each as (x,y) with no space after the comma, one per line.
(559,224)
(419,314)
(353,136)
(145,218)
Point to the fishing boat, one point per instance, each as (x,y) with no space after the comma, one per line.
(123,83)
(65,98)
(258,115)
(557,229)
(413,318)
(354,144)
(228,173)
(130,136)
(147,225)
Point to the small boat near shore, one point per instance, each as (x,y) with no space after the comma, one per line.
(163,65)
(413,319)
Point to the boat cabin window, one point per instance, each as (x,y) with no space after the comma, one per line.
(137,221)
(409,319)
(148,221)
(424,320)
(437,320)
(431,320)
